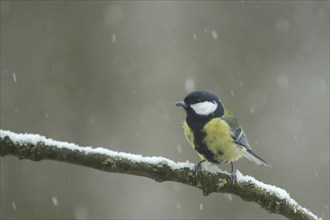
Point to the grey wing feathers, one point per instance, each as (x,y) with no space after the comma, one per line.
(241,140)
(249,154)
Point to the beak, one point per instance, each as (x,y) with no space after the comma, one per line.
(180,104)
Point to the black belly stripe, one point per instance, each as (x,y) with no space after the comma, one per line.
(202,149)
(199,135)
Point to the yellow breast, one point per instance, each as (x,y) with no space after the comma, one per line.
(218,140)
(188,133)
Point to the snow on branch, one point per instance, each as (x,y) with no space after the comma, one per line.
(35,147)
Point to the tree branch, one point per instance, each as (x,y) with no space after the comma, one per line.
(160,169)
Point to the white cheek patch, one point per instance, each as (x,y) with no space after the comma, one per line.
(204,108)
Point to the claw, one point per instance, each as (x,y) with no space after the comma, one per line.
(198,168)
(233,176)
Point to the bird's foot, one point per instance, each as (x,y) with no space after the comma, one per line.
(233,177)
(198,168)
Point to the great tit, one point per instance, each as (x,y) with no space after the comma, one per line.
(213,131)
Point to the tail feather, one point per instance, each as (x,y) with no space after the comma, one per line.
(249,154)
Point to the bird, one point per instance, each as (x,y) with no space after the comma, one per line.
(214,132)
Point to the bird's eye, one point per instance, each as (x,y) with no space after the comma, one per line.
(198,100)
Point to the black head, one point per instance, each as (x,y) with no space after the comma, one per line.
(202,104)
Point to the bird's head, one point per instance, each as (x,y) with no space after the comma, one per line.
(202,104)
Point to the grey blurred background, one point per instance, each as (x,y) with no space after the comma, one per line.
(106,73)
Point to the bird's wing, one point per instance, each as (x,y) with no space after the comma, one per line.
(237,132)
(240,138)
